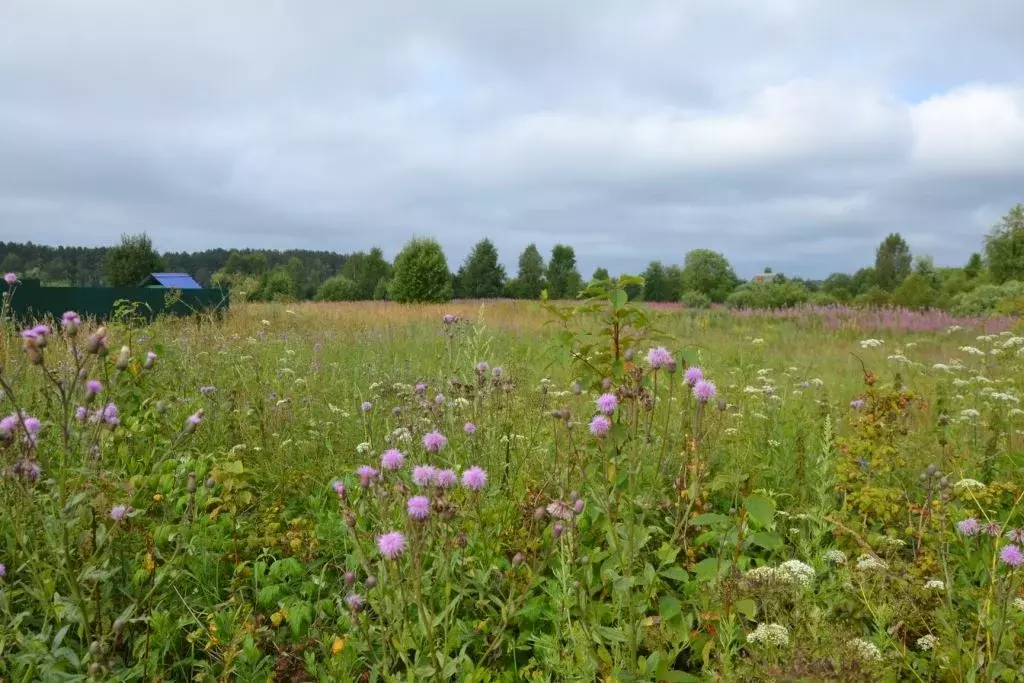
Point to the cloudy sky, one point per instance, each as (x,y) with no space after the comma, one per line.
(790,133)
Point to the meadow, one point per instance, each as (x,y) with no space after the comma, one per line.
(504,491)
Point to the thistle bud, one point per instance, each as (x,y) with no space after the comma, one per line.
(629,354)
(96,340)
(606,384)
(350,578)
(210,482)
(161,407)
(517,559)
(557,530)
(371,581)
(150,360)
(95,669)
(123,358)
(35,355)
(191,486)
(576,389)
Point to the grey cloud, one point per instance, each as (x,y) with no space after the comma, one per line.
(791,133)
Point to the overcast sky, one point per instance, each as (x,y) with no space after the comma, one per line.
(789,133)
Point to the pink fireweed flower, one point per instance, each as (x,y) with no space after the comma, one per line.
(391,545)
(470,428)
(658,357)
(434,441)
(474,478)
(11,279)
(607,403)
(600,425)
(118,512)
(693,375)
(445,479)
(705,390)
(419,507)
(969,526)
(392,459)
(1011,555)
(366,475)
(423,475)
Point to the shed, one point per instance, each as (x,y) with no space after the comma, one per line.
(170,281)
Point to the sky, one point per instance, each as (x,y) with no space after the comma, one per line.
(794,134)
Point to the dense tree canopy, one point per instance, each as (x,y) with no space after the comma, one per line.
(892,262)
(421,273)
(129,263)
(564,281)
(1004,247)
(708,272)
(482,276)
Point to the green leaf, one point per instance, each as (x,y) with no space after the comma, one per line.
(706,569)
(675,573)
(766,540)
(747,607)
(612,635)
(709,518)
(760,509)
(669,606)
(619,298)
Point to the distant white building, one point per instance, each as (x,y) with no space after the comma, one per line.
(763,278)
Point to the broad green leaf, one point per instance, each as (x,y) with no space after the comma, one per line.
(747,607)
(675,573)
(706,569)
(760,509)
(669,606)
(766,540)
(709,518)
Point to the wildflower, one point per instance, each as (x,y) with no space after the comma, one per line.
(3,570)
(693,375)
(449,318)
(993,529)
(857,403)
(870,343)
(193,420)
(445,479)
(865,650)
(366,475)
(969,414)
(1016,535)
(482,367)
(835,556)
(11,279)
(354,601)
(558,509)
(927,642)
(123,356)
(81,413)
(1011,555)
(474,478)
(557,530)
(350,578)
(704,390)
(867,563)
(769,634)
(1018,603)
(366,406)
(972,351)
(392,459)
(110,415)
(423,475)
(658,357)
(207,390)
(607,403)
(934,585)
(577,506)
(420,387)
(470,428)
(70,321)
(434,441)
(969,526)
(801,573)
(92,387)
(965,484)
(118,512)
(339,488)
(496,372)
(150,360)
(418,507)
(391,545)
(600,425)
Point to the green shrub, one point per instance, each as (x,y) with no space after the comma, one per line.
(695,299)
(421,274)
(337,288)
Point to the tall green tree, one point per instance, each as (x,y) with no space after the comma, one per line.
(481,276)
(529,282)
(366,271)
(600,274)
(421,273)
(974,266)
(839,285)
(708,272)
(129,263)
(1004,247)
(892,262)
(862,281)
(564,281)
(656,283)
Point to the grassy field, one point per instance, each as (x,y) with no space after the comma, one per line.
(291,494)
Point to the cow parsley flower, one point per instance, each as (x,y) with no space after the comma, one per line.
(927,642)
(934,585)
(868,563)
(864,649)
(800,573)
(776,635)
(835,556)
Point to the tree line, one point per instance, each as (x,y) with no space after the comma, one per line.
(989,280)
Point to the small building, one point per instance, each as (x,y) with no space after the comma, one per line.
(763,278)
(170,281)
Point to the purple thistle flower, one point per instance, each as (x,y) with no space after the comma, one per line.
(339,487)
(449,318)
(474,478)
(1011,555)
(207,390)
(118,512)
(93,387)
(705,390)
(607,403)
(32,425)
(578,506)
(195,418)
(434,441)
(421,387)
(557,530)
(81,413)
(857,403)
(993,529)
(391,545)
(110,415)
(423,475)
(445,479)
(482,367)
(470,428)
(366,406)
(11,279)
(439,399)
(1016,535)
(419,507)
(366,475)
(392,459)
(658,357)
(70,319)
(8,424)
(150,358)
(496,372)
(41,330)
(3,570)
(354,601)
(693,375)
(600,425)
(969,526)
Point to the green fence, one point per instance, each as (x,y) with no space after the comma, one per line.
(30,300)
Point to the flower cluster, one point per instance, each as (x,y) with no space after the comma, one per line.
(776,635)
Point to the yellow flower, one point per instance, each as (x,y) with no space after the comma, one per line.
(158,497)
(149,563)
(337,646)
(277,617)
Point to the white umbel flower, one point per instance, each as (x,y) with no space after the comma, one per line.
(869,563)
(934,585)
(835,556)
(769,634)
(927,642)
(865,650)
(800,573)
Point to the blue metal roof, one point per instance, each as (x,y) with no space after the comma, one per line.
(175,280)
